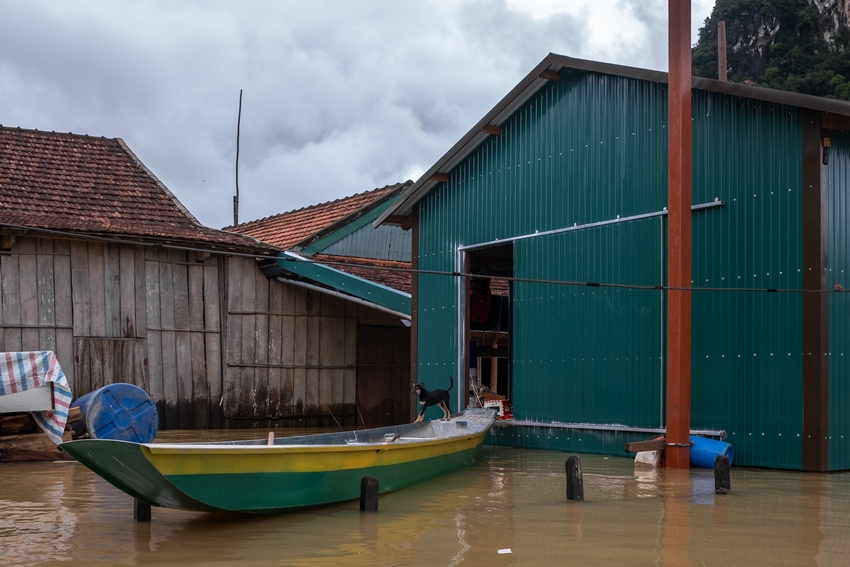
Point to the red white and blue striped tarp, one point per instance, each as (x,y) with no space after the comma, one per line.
(20,371)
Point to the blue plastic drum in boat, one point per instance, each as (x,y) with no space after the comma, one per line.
(704,451)
(119,411)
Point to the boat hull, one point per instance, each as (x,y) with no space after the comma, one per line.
(273,478)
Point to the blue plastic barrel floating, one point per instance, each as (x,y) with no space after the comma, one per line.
(704,451)
(119,411)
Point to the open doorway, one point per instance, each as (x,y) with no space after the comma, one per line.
(489,327)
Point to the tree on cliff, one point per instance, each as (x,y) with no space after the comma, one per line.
(794,45)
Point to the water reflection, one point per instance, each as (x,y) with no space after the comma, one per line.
(35,525)
(513,501)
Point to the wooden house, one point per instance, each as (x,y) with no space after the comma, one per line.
(100,263)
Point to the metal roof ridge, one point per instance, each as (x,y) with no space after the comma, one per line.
(533,82)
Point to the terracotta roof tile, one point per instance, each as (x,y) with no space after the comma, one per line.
(90,185)
(370,269)
(285,230)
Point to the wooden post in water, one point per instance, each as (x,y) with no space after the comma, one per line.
(722,475)
(575,480)
(369,494)
(141,511)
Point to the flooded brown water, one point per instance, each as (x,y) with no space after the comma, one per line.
(507,509)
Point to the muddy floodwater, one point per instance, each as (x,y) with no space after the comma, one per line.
(509,508)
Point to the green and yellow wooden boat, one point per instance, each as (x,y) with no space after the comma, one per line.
(292,472)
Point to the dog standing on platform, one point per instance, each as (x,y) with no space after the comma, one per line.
(435,398)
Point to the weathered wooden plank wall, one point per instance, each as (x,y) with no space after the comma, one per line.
(108,322)
(102,361)
(157,317)
(184,337)
(291,352)
(35,307)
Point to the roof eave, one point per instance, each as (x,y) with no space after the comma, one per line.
(533,82)
(260,249)
(327,276)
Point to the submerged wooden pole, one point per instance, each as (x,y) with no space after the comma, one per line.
(369,494)
(722,475)
(141,511)
(575,480)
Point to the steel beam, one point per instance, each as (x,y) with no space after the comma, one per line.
(679,234)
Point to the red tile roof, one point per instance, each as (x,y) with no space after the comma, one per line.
(290,228)
(82,184)
(372,270)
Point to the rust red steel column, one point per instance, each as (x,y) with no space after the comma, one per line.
(679,234)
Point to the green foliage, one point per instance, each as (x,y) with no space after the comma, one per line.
(777,44)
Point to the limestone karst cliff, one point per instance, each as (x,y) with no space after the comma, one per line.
(795,45)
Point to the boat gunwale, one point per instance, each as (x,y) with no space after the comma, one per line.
(175,448)
(475,424)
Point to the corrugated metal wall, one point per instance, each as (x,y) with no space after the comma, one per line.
(590,354)
(587,148)
(839,303)
(590,148)
(746,369)
(382,243)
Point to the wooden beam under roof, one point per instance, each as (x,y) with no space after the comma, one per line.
(404,222)
(491,129)
(550,75)
(440,177)
(814,330)
(830,121)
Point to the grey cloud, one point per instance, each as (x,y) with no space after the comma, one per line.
(339,97)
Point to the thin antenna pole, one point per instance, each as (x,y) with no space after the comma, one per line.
(721,50)
(236,197)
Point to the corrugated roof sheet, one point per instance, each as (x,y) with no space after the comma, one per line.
(382,243)
(293,230)
(96,186)
(373,270)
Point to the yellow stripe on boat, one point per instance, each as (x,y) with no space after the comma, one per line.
(169,459)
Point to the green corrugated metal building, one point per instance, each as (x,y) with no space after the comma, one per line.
(565,180)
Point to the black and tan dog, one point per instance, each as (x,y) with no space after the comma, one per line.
(435,398)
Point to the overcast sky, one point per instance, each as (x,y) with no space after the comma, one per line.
(339,97)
